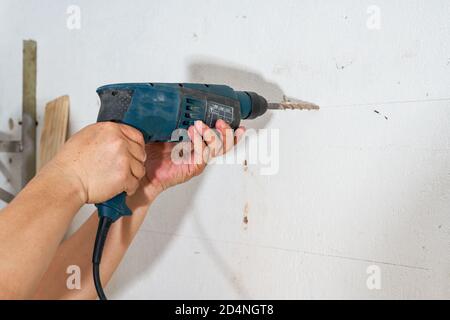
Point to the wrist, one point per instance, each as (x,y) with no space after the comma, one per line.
(63,181)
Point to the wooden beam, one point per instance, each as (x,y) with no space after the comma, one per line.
(29,111)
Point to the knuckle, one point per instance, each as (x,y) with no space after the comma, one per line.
(209,136)
(138,170)
(108,125)
(119,143)
(142,171)
(92,127)
(139,138)
(125,128)
(143,154)
(133,133)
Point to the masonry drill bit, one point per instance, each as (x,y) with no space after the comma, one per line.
(287,103)
(297,105)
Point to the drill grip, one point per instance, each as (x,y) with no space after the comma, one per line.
(114,208)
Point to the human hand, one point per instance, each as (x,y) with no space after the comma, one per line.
(102,160)
(161,170)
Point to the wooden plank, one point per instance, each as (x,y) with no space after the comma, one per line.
(29,111)
(54,132)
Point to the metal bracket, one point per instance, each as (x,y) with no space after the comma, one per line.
(27,145)
(11,146)
(6,196)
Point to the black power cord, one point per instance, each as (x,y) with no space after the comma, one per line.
(102,232)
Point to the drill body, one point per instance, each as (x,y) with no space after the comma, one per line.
(160,110)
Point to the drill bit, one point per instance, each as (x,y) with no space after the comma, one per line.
(298,105)
(293,105)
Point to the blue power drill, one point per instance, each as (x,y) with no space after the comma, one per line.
(157,110)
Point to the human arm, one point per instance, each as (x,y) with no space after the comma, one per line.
(77,251)
(94,165)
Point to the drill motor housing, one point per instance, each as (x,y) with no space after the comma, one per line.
(158,109)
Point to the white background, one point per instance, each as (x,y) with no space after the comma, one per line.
(354,189)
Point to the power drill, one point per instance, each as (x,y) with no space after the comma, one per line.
(157,110)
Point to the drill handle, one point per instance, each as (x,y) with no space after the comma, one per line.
(113,107)
(114,208)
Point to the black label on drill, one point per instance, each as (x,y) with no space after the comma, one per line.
(216,111)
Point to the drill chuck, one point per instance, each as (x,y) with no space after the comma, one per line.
(258,105)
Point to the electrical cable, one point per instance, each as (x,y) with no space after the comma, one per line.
(104,224)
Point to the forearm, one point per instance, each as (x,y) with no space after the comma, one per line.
(31,229)
(77,251)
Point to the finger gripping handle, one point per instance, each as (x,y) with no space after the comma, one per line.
(114,208)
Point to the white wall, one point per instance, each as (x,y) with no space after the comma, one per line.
(353,190)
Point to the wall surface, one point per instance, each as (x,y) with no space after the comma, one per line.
(363,184)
